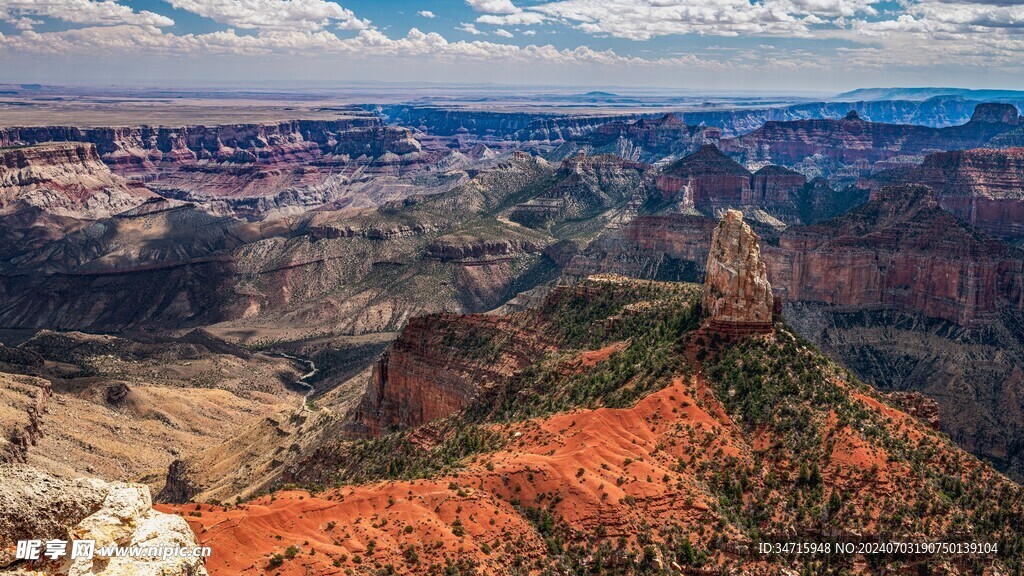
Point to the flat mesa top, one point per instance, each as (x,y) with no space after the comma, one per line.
(115,112)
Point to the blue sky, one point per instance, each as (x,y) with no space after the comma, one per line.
(771,45)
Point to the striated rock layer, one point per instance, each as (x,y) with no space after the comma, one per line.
(438,365)
(851,139)
(900,251)
(137,149)
(982,187)
(65,179)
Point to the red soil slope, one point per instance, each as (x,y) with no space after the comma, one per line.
(603,471)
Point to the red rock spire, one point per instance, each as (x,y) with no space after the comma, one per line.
(737,296)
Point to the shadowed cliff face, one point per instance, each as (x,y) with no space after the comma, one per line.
(900,251)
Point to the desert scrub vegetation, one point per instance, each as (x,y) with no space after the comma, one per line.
(395,457)
(784,385)
(648,318)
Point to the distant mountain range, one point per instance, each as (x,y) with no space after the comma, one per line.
(862,94)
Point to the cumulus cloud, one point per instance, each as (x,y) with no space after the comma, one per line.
(908,33)
(517,19)
(493,6)
(646,19)
(309,15)
(20,13)
(970,33)
(368,43)
(470,28)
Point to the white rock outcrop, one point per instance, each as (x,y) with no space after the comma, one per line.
(40,506)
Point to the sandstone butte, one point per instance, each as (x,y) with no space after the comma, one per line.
(666,466)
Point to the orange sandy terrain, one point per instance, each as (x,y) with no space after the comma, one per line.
(615,472)
(544,459)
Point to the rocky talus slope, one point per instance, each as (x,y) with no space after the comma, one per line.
(43,507)
(25,400)
(121,409)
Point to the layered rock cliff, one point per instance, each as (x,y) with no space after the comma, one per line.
(135,150)
(706,179)
(982,187)
(853,140)
(65,179)
(900,251)
(587,188)
(438,365)
(649,140)
(671,247)
(252,169)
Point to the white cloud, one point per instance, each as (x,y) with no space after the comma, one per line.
(107,12)
(493,6)
(24,23)
(308,15)
(470,28)
(517,19)
(646,19)
(935,33)
(926,34)
(368,43)
(427,14)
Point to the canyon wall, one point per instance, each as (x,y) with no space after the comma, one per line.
(852,139)
(900,251)
(982,187)
(66,179)
(438,364)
